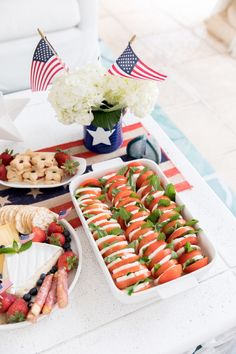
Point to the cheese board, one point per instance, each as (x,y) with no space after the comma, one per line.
(145,240)
(39,269)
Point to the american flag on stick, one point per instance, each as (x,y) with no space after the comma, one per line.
(45,65)
(129,65)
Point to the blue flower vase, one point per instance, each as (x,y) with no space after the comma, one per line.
(102,140)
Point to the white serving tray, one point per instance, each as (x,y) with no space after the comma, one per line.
(81,169)
(165,290)
(72,278)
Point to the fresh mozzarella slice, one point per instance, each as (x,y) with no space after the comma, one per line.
(90,220)
(84,189)
(182,249)
(25,268)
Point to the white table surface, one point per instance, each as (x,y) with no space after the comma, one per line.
(95,322)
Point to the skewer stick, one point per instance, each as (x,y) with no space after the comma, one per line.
(46,40)
(132,39)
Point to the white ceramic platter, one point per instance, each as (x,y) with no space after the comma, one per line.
(81,169)
(72,277)
(162,291)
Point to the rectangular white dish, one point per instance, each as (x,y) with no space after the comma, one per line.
(161,291)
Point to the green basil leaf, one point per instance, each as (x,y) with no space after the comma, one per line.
(147,224)
(179,208)
(155,182)
(149,199)
(7,250)
(156,267)
(191,222)
(164,202)
(124,214)
(102,180)
(174,255)
(101,197)
(25,246)
(115,231)
(170,245)
(161,237)
(131,289)
(122,171)
(144,260)
(15,246)
(110,259)
(115,191)
(188,247)
(170,191)
(154,216)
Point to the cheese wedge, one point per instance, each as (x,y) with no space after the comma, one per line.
(8,234)
(24,268)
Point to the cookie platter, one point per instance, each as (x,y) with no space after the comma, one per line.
(35,169)
(145,240)
(40,263)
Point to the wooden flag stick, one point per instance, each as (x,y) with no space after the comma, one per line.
(46,40)
(132,39)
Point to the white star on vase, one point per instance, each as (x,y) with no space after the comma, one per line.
(34,192)
(101,136)
(4,200)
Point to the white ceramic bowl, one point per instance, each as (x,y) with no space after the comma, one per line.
(72,278)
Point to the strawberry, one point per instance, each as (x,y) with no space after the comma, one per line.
(57,239)
(6,157)
(70,167)
(5,301)
(61,157)
(39,234)
(68,260)
(17,312)
(3,172)
(55,227)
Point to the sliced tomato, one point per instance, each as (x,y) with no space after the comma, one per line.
(140,233)
(141,214)
(145,241)
(164,267)
(167,215)
(170,274)
(116,185)
(124,193)
(122,284)
(132,208)
(143,177)
(156,200)
(173,224)
(135,164)
(186,256)
(105,216)
(169,207)
(123,260)
(131,269)
(133,227)
(154,246)
(191,239)
(196,265)
(112,239)
(159,256)
(91,182)
(116,247)
(126,201)
(116,178)
(181,231)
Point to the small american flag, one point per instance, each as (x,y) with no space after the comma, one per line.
(45,65)
(129,65)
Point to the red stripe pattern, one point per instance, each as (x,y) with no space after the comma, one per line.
(45,65)
(129,65)
(60,200)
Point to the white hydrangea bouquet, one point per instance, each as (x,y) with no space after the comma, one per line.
(96,99)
